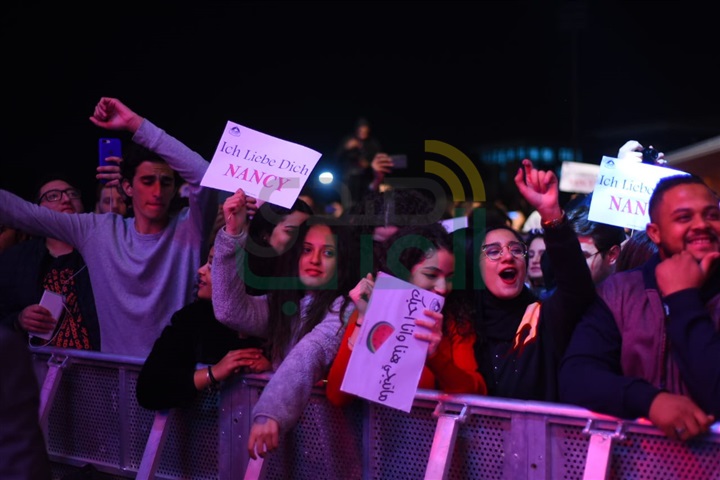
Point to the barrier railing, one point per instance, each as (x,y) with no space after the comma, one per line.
(88,400)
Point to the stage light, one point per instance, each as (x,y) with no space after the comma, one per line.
(325,178)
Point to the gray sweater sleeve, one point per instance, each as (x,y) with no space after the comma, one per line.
(36,220)
(191,166)
(233,306)
(288,391)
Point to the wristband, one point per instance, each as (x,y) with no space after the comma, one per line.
(211,378)
(555,222)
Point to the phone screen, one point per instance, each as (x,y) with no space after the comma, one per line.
(108,147)
(399,161)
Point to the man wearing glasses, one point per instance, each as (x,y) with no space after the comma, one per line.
(601,243)
(44,263)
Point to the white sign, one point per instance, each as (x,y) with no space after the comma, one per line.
(456,223)
(623,191)
(578,177)
(265,167)
(387,360)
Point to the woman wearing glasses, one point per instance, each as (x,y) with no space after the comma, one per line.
(520,339)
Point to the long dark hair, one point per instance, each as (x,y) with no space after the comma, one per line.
(408,247)
(412,243)
(284,301)
(260,256)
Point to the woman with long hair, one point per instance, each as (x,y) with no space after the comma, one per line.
(302,315)
(427,261)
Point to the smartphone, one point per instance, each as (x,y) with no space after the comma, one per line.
(399,161)
(54,302)
(108,147)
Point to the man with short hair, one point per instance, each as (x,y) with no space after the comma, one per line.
(142,267)
(44,263)
(601,243)
(110,200)
(650,346)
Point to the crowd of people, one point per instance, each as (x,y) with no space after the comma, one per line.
(621,322)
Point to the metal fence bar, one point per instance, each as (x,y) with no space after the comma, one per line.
(492,438)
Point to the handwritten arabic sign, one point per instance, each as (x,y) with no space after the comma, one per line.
(265,167)
(387,360)
(623,191)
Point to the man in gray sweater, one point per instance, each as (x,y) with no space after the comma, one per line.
(143,267)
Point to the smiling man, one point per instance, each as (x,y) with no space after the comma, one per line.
(649,346)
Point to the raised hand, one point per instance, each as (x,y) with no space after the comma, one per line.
(235,210)
(382,164)
(631,151)
(540,189)
(112,114)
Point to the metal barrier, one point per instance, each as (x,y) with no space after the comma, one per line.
(93,418)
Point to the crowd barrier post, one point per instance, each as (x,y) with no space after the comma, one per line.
(56,364)
(154,445)
(444,441)
(597,463)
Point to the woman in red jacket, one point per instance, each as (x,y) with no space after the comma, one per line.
(450,365)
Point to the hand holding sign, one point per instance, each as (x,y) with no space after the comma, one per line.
(236,209)
(401,326)
(433,335)
(361,293)
(623,191)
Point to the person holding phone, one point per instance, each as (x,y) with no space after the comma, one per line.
(364,165)
(42,264)
(108,195)
(142,267)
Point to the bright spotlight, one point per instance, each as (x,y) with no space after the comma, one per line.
(325,178)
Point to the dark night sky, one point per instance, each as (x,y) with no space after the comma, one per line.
(469,74)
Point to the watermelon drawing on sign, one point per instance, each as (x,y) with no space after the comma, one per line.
(379,332)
